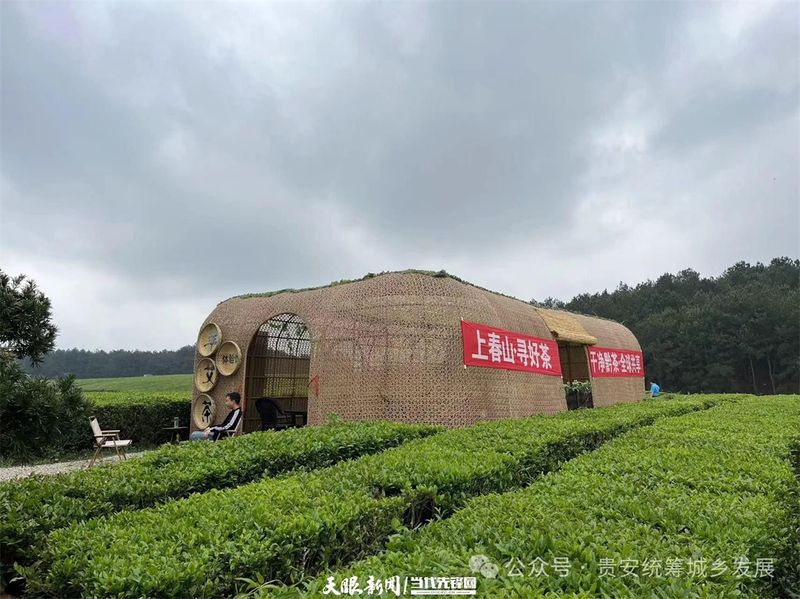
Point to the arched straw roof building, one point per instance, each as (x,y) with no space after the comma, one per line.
(392,347)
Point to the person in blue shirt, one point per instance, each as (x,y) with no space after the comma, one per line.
(654,389)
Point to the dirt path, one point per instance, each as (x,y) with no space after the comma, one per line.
(54,468)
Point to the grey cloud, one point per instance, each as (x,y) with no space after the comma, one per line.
(743,84)
(213,149)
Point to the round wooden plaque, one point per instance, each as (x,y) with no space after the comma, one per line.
(209,340)
(204,411)
(229,358)
(206,375)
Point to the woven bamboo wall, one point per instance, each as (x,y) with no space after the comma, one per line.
(609,391)
(390,347)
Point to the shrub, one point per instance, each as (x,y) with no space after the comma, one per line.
(40,418)
(578,387)
(32,507)
(297,525)
(711,485)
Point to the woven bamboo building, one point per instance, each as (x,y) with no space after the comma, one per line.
(390,347)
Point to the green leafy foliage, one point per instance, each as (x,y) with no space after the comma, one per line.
(40,418)
(714,485)
(736,332)
(578,387)
(32,507)
(288,528)
(26,329)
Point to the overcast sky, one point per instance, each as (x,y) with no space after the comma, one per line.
(160,157)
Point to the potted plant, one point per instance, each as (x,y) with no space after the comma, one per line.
(579,394)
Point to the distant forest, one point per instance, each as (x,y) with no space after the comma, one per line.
(739,332)
(105,364)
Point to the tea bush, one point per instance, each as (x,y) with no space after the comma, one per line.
(288,528)
(32,507)
(716,485)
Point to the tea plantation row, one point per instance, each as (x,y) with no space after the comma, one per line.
(32,507)
(297,525)
(702,505)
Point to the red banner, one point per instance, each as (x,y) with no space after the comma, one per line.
(610,362)
(491,347)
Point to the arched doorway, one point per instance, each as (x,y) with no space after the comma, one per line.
(278,363)
(575,373)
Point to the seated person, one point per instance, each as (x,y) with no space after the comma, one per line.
(234,402)
(654,389)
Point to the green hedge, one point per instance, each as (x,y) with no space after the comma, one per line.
(289,528)
(712,485)
(139,415)
(32,507)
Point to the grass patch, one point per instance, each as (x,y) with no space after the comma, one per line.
(163,383)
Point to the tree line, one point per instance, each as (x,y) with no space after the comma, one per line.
(739,332)
(86,364)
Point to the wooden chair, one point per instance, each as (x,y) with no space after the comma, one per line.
(107,440)
(268,410)
(232,433)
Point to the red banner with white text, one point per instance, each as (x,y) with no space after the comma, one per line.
(609,362)
(491,347)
